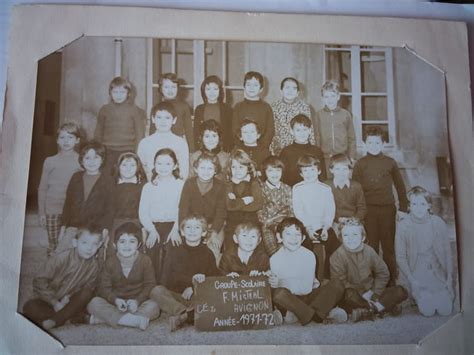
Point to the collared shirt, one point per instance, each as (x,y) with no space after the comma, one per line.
(344,183)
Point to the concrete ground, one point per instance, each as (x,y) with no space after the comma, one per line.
(408,328)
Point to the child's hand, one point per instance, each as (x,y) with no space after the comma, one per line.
(199,278)
(233,274)
(187,293)
(175,237)
(273,281)
(121,304)
(231,196)
(214,241)
(401,216)
(368,295)
(152,239)
(65,300)
(42,221)
(132,306)
(316,283)
(247,200)
(324,235)
(254,273)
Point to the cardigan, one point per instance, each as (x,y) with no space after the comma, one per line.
(211,205)
(225,124)
(65,274)
(183,262)
(137,285)
(362,270)
(95,209)
(350,201)
(230,261)
(125,200)
(277,201)
(290,155)
(259,112)
(237,210)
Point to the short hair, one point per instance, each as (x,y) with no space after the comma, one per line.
(215,80)
(120,81)
(91,228)
(375,131)
(197,217)
(97,147)
(127,228)
(291,221)
(308,160)
(290,78)
(302,120)
(254,74)
(213,126)
(163,106)
(248,226)
(205,156)
(242,158)
(352,221)
(247,121)
(141,176)
(169,76)
(330,85)
(172,155)
(420,191)
(340,159)
(71,128)
(273,162)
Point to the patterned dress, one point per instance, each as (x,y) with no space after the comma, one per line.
(282,115)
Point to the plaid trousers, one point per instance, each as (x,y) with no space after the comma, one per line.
(53,227)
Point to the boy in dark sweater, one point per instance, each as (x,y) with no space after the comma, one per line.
(185,266)
(251,144)
(255,109)
(247,257)
(300,129)
(120,123)
(125,284)
(377,174)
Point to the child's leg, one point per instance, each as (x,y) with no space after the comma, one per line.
(352,300)
(149,309)
(372,227)
(169,301)
(104,311)
(387,222)
(269,240)
(283,299)
(111,159)
(158,252)
(330,247)
(217,250)
(324,298)
(53,227)
(77,304)
(392,296)
(319,252)
(37,311)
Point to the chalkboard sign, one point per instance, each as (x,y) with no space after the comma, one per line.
(225,303)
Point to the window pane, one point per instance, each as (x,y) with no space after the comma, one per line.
(374,108)
(346,102)
(373,72)
(235,63)
(184,61)
(383,126)
(338,46)
(213,50)
(338,67)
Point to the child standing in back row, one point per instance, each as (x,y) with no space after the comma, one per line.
(57,171)
(333,126)
(377,174)
(120,123)
(254,109)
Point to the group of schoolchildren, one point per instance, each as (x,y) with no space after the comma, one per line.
(246,191)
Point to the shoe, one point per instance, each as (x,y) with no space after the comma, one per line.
(396,311)
(290,318)
(360,314)
(176,322)
(277,317)
(337,315)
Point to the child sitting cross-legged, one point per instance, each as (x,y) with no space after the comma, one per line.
(66,283)
(185,266)
(295,288)
(364,275)
(125,284)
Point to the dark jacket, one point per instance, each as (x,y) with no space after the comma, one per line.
(230,261)
(226,125)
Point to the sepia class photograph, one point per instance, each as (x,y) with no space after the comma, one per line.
(193,191)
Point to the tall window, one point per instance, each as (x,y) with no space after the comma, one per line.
(365,75)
